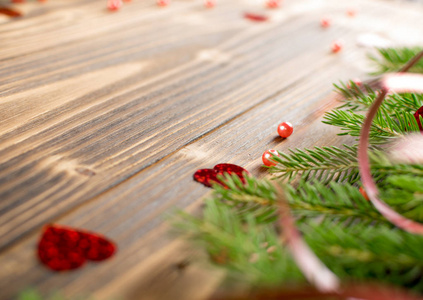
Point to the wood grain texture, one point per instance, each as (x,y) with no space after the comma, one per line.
(104,118)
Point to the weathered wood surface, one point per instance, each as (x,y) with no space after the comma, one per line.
(104,117)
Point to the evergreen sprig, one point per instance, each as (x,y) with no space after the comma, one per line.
(360,251)
(251,251)
(346,232)
(352,239)
(355,97)
(359,98)
(342,203)
(334,164)
(322,163)
(384,129)
(393,59)
(255,198)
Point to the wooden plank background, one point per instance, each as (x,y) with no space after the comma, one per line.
(104,117)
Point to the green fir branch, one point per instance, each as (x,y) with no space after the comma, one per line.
(341,203)
(384,129)
(333,164)
(366,252)
(255,198)
(393,59)
(350,236)
(354,97)
(407,102)
(252,252)
(322,163)
(359,98)
(249,251)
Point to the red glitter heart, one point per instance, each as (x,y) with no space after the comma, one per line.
(64,248)
(10,12)
(209,176)
(256,17)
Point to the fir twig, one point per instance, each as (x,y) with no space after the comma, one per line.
(383,129)
(344,229)
(252,252)
(322,163)
(394,59)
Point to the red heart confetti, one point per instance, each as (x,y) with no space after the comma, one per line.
(114,5)
(64,248)
(10,12)
(163,2)
(256,17)
(209,3)
(273,3)
(209,176)
(337,46)
(325,22)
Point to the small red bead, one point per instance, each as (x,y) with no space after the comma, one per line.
(325,22)
(267,157)
(285,129)
(363,192)
(163,2)
(209,3)
(114,4)
(356,81)
(273,3)
(337,46)
(351,12)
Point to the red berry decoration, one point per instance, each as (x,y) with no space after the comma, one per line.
(267,157)
(325,22)
(209,3)
(417,115)
(209,176)
(10,12)
(163,2)
(256,17)
(114,5)
(337,46)
(273,3)
(363,192)
(351,12)
(356,81)
(285,129)
(64,248)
